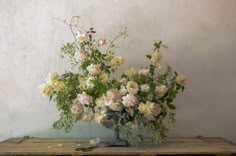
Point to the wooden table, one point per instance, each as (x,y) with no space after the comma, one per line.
(66,146)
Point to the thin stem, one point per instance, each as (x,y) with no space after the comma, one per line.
(124,33)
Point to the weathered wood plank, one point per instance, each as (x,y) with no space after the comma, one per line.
(66,146)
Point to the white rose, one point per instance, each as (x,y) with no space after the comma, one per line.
(144,71)
(123,90)
(161,89)
(129,100)
(81,37)
(132,87)
(94,69)
(145,88)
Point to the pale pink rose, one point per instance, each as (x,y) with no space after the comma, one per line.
(102,42)
(156,110)
(94,69)
(84,98)
(144,71)
(145,88)
(132,87)
(76,108)
(129,100)
(115,106)
(88,118)
(114,94)
(123,91)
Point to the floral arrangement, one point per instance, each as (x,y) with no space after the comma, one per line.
(141,99)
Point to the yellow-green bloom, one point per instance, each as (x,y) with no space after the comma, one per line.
(181,79)
(131,73)
(104,77)
(117,60)
(52,78)
(46,90)
(59,85)
(146,108)
(156,57)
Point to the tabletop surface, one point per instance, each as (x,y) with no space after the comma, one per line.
(67,146)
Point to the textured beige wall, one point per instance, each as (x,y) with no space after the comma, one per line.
(201,35)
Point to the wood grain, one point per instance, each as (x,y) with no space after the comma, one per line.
(66,146)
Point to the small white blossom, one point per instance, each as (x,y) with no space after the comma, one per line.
(145,88)
(94,69)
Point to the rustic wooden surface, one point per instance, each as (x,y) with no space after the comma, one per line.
(66,146)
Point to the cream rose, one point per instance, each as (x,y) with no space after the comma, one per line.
(59,85)
(132,87)
(181,79)
(117,60)
(52,78)
(156,57)
(161,89)
(46,90)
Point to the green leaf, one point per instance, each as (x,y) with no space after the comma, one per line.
(149,56)
(171,106)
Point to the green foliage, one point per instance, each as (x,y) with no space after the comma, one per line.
(91,77)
